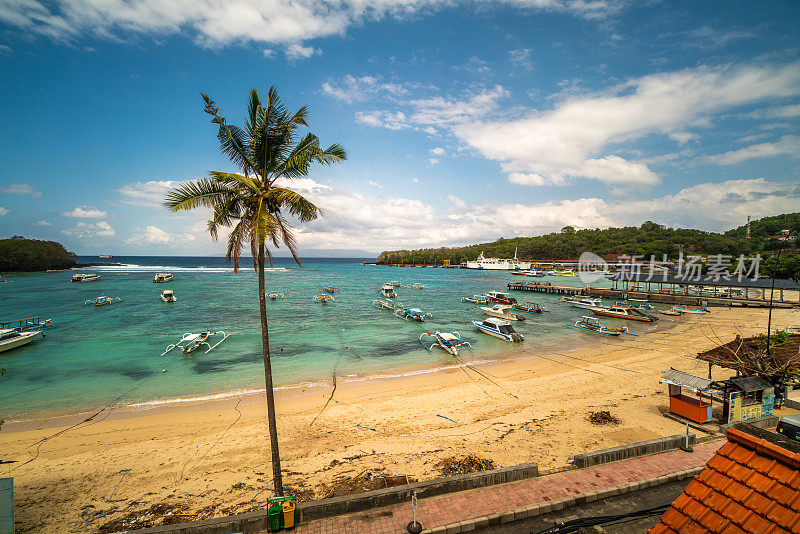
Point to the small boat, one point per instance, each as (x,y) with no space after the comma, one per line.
(323,298)
(531,307)
(415,286)
(160,278)
(536,273)
(691,311)
(414,314)
(385,304)
(329,289)
(28,323)
(275,296)
(168,296)
(102,300)
(499,296)
(498,328)
(85,277)
(12,339)
(192,342)
(634,303)
(519,273)
(565,272)
(393,284)
(477,299)
(387,290)
(447,341)
(592,324)
(105,256)
(624,312)
(504,312)
(584,302)
(670,312)
(5,281)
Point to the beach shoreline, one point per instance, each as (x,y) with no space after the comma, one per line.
(212,459)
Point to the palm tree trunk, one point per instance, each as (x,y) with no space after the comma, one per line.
(277,478)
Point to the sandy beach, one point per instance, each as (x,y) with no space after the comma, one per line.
(208,459)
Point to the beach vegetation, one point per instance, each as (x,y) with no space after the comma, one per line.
(27,255)
(257,205)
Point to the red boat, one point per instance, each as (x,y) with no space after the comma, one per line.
(502,298)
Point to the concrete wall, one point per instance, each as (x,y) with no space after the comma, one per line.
(629,451)
(355,503)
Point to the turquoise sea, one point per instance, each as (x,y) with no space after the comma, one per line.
(100,354)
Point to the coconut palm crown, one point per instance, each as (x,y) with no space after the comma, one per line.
(270,152)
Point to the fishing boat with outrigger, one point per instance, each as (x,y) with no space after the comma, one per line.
(583,302)
(329,289)
(387,290)
(192,342)
(592,324)
(624,312)
(12,339)
(322,299)
(691,311)
(447,341)
(27,323)
(102,300)
(161,278)
(531,307)
(635,303)
(500,297)
(498,328)
(85,277)
(168,296)
(385,304)
(275,295)
(503,312)
(477,299)
(413,314)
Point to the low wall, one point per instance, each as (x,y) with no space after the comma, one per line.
(622,452)
(354,503)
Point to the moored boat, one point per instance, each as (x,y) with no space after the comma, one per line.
(413,314)
(329,289)
(191,342)
(500,297)
(160,278)
(85,277)
(274,295)
(498,328)
(497,264)
(447,341)
(635,303)
(583,302)
(592,324)
(531,307)
(102,300)
(385,304)
(691,311)
(387,290)
(503,312)
(477,299)
(323,298)
(624,312)
(168,296)
(12,339)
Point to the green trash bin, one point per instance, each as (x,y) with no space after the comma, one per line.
(275,517)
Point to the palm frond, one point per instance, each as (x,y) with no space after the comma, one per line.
(295,203)
(195,194)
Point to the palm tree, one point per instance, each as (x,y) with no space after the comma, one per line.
(270,153)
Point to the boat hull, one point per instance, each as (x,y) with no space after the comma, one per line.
(607,313)
(505,337)
(21,341)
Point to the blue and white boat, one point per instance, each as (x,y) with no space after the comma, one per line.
(447,341)
(102,300)
(498,328)
(583,302)
(414,314)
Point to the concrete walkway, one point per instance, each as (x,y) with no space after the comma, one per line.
(470,508)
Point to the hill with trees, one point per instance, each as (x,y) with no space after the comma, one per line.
(20,254)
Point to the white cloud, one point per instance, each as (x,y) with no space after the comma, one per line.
(374,184)
(788,144)
(268,52)
(438,151)
(383,119)
(708,37)
(216,23)
(20,189)
(440,111)
(530,178)
(148,194)
(521,58)
(779,112)
(5,49)
(3,211)
(569,140)
(352,89)
(84,230)
(85,212)
(415,180)
(296,51)
(42,223)
(153,235)
(456,201)
(433,161)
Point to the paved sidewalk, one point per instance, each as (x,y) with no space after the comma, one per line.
(466,505)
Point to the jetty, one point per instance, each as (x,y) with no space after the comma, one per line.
(540,287)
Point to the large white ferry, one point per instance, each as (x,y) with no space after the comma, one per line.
(497,264)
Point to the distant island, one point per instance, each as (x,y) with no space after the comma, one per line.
(26,255)
(767,235)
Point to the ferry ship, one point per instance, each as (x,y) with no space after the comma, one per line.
(497,264)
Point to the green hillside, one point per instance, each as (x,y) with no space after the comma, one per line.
(20,254)
(649,238)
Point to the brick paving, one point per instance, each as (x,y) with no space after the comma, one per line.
(462,506)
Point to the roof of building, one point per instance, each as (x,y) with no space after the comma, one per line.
(692,280)
(750,383)
(685,380)
(739,354)
(751,484)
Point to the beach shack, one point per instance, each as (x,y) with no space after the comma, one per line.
(693,408)
(747,397)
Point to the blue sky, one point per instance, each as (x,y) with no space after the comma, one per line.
(464,120)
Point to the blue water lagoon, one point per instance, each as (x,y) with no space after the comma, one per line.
(97,355)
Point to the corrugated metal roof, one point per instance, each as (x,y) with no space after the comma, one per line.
(685,380)
(751,383)
(656,278)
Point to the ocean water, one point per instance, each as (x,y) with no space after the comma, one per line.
(112,353)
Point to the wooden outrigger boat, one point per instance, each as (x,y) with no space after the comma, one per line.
(323,299)
(329,289)
(477,299)
(531,307)
(635,303)
(27,323)
(592,324)
(447,341)
(102,300)
(385,304)
(414,314)
(691,311)
(195,341)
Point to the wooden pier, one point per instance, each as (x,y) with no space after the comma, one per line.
(546,288)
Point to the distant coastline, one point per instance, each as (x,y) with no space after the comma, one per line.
(19,254)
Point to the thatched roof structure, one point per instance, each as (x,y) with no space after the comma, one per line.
(749,356)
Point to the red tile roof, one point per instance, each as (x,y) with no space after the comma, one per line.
(750,485)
